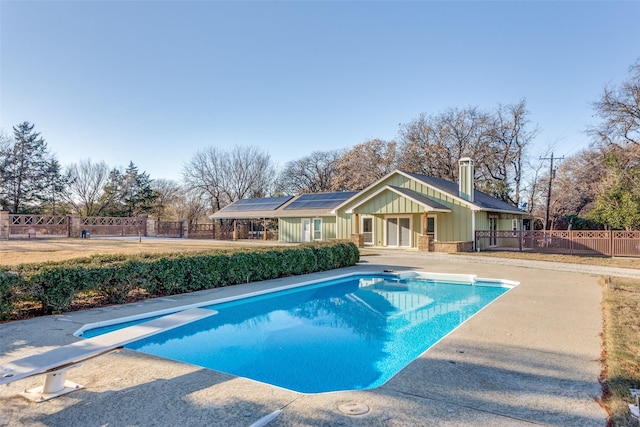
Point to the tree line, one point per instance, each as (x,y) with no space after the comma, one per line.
(599,186)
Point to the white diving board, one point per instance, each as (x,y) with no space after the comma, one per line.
(54,363)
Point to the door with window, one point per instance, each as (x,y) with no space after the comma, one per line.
(306,230)
(493,228)
(431,231)
(367,230)
(399,232)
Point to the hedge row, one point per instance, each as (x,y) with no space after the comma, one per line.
(55,285)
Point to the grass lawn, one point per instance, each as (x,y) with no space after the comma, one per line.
(618,262)
(14,252)
(621,353)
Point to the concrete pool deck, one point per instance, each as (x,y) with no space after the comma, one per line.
(531,357)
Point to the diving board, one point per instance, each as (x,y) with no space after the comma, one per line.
(55,363)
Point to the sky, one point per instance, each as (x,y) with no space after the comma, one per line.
(153,82)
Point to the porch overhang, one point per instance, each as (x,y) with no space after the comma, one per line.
(423,201)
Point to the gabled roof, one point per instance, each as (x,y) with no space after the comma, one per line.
(428,204)
(326,204)
(481,200)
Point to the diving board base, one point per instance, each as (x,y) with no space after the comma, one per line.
(55,362)
(55,384)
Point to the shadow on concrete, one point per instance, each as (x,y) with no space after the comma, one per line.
(200,398)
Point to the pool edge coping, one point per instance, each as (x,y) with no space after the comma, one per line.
(449,277)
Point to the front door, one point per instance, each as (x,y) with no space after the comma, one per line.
(306,230)
(493,227)
(399,232)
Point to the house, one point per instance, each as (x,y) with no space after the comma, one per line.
(400,210)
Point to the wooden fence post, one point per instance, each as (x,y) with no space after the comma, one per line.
(4,225)
(520,237)
(611,251)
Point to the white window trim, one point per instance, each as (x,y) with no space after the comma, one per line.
(313,229)
(373,231)
(435,227)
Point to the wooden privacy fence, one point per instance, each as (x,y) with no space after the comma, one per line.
(114,226)
(169,229)
(23,226)
(572,242)
(31,225)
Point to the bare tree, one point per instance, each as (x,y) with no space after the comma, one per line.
(575,186)
(496,141)
(167,193)
(249,173)
(618,139)
(226,176)
(310,174)
(432,145)
(364,164)
(619,110)
(85,188)
(205,173)
(510,138)
(189,206)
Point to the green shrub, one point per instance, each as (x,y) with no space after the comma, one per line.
(163,277)
(55,285)
(117,280)
(7,294)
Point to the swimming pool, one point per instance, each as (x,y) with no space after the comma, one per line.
(351,332)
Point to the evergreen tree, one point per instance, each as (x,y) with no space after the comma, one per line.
(129,193)
(23,167)
(54,184)
(111,197)
(138,196)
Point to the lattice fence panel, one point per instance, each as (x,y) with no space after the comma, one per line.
(22,225)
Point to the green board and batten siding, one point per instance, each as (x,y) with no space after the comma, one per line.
(454,226)
(290,229)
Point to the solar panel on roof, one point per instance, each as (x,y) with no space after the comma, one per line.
(262,204)
(319,200)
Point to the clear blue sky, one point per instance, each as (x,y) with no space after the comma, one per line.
(155,81)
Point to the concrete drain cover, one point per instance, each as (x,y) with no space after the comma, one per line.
(353,408)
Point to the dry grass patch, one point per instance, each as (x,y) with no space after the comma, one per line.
(14,252)
(619,262)
(621,354)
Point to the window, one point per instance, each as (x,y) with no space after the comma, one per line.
(317,229)
(432,226)
(367,230)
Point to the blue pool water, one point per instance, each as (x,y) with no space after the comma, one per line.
(344,334)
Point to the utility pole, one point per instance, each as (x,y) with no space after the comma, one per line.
(551,176)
